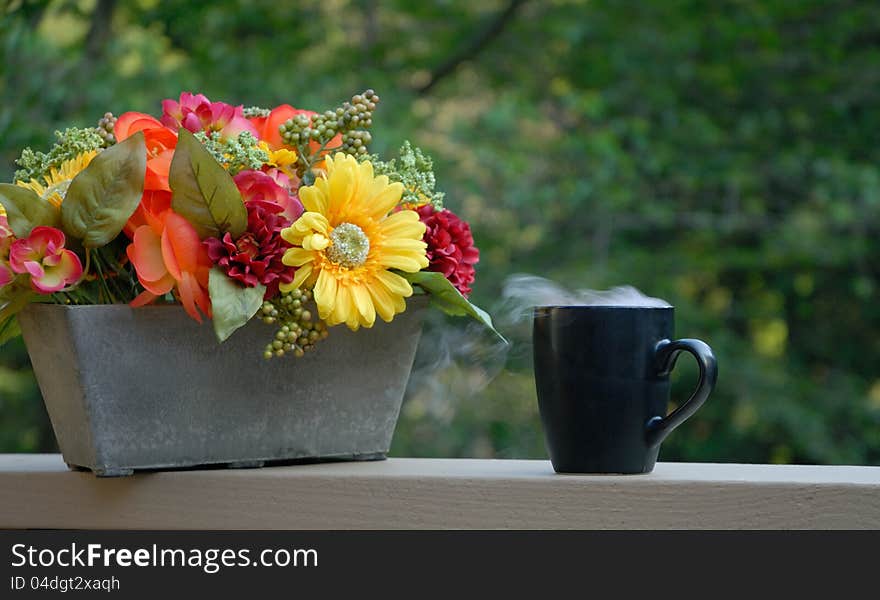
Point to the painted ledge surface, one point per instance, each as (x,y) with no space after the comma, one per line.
(37,491)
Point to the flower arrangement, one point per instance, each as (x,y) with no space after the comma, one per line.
(234,213)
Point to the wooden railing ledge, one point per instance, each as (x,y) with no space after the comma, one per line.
(38,491)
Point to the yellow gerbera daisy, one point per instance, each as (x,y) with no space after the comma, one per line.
(55,183)
(347,241)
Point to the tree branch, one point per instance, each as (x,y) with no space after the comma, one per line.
(99,30)
(370,9)
(477,43)
(95,45)
(34,12)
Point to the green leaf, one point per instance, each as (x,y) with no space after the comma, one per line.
(231,304)
(26,210)
(448,299)
(103,196)
(203,192)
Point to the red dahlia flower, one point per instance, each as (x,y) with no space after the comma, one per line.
(255,257)
(451,249)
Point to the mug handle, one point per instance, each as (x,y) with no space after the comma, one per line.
(666,353)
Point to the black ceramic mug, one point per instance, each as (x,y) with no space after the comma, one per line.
(602,376)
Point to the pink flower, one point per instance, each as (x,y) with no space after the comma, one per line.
(279,177)
(6,236)
(265,187)
(451,249)
(196,113)
(6,274)
(42,256)
(6,239)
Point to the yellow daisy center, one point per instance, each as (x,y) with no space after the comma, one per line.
(349,245)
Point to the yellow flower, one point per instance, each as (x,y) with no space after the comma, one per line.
(347,241)
(54,185)
(282,158)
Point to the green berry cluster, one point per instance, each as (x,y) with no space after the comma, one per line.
(356,142)
(297,130)
(299,329)
(357,117)
(71,143)
(415,170)
(351,120)
(255,112)
(105,129)
(236,154)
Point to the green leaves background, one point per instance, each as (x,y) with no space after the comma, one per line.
(721,155)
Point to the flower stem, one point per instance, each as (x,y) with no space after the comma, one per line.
(103,282)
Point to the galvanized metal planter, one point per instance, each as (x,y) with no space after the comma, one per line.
(149,388)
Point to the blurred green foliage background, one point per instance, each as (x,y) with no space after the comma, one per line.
(720,154)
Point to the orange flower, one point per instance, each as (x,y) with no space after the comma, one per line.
(167,254)
(160,142)
(267,128)
(153,203)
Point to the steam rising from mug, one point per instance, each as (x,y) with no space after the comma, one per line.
(458,358)
(528,291)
